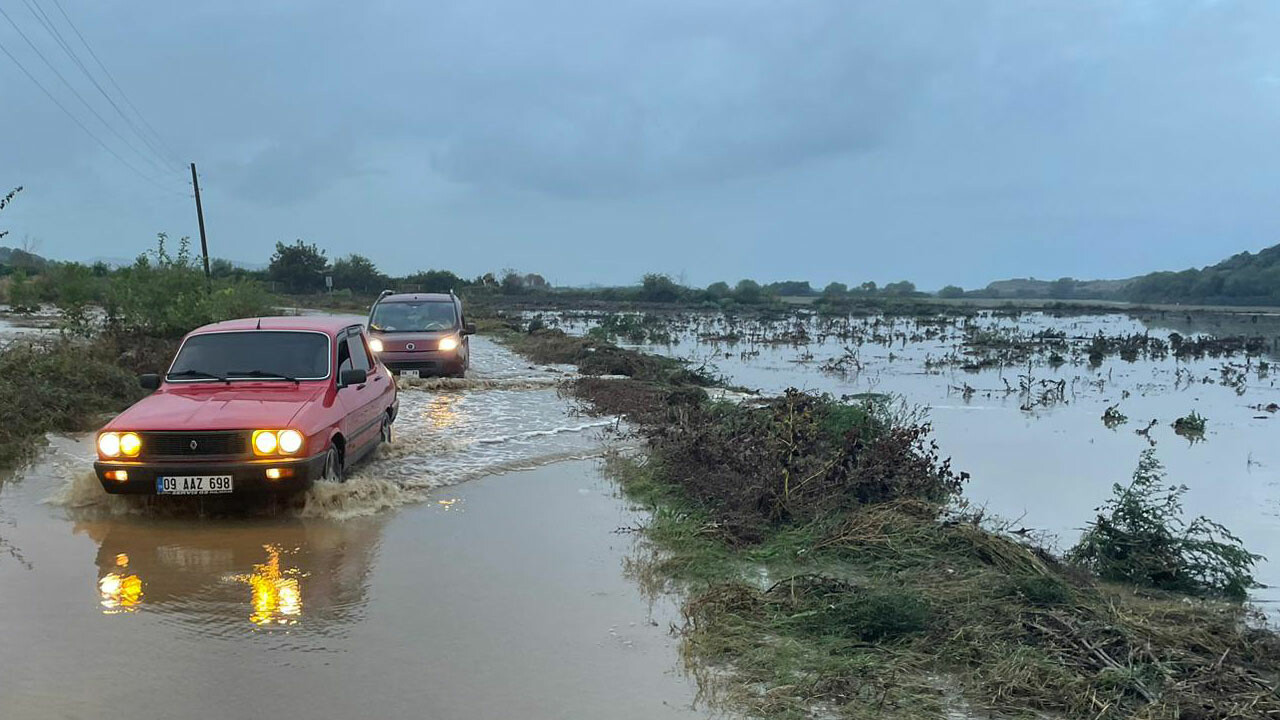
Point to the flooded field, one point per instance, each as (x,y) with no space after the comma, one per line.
(407,591)
(1018,401)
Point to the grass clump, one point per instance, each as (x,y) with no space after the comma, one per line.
(1140,537)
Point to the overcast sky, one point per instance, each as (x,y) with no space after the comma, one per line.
(941,142)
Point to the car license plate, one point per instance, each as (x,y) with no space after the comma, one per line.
(193,485)
(410,373)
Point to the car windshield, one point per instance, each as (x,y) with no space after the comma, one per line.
(253,354)
(413,316)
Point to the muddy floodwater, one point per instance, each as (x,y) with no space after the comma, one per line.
(1028,426)
(474,569)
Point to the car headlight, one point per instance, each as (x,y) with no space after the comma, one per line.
(277,442)
(265,442)
(290,441)
(375,345)
(130,444)
(109,444)
(449,343)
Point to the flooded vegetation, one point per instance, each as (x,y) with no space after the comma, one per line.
(936,522)
(840,551)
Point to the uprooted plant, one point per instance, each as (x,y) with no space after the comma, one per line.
(1140,537)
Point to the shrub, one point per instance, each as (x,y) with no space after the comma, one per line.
(797,458)
(1139,537)
(55,386)
(1193,424)
(165,295)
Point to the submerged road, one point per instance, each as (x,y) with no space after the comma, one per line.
(404,593)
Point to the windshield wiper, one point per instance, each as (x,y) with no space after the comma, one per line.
(261,374)
(197,374)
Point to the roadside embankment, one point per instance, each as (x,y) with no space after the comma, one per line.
(829,562)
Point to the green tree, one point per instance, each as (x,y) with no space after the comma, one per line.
(221,267)
(835,289)
(657,287)
(790,288)
(719,290)
(358,274)
(951,291)
(868,286)
(902,287)
(435,281)
(299,268)
(748,291)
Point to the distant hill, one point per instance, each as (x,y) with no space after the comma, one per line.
(1063,288)
(1243,279)
(15,257)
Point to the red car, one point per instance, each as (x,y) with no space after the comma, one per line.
(256,405)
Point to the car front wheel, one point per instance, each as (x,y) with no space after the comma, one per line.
(332,466)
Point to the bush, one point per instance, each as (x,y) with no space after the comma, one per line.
(56,386)
(165,295)
(656,287)
(1139,537)
(797,458)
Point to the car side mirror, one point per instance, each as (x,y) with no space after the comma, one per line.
(352,376)
(149,381)
(469,329)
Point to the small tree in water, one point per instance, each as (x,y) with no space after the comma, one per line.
(1139,537)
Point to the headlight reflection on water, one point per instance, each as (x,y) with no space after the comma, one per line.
(120,591)
(276,594)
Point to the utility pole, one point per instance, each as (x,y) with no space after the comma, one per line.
(204,244)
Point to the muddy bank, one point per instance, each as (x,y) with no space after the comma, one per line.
(504,597)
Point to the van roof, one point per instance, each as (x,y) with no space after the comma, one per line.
(417,297)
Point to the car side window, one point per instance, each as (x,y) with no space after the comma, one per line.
(359,356)
(344,355)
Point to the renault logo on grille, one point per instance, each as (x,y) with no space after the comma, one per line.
(194,445)
(410,346)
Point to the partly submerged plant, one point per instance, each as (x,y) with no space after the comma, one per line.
(1193,424)
(1139,536)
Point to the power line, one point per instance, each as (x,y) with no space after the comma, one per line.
(49,25)
(83,127)
(173,157)
(75,92)
(43,18)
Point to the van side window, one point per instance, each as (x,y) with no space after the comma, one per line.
(359,355)
(344,355)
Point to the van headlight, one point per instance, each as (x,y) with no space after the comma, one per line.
(448,343)
(375,345)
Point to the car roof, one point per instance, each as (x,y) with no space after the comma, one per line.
(417,297)
(328,324)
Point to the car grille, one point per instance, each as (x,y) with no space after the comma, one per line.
(181,444)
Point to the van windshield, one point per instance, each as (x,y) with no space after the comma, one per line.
(252,355)
(413,316)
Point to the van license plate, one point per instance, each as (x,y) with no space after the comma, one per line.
(193,485)
(409,373)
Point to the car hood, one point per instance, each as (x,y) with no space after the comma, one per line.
(211,406)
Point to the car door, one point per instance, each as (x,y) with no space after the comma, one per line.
(360,402)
